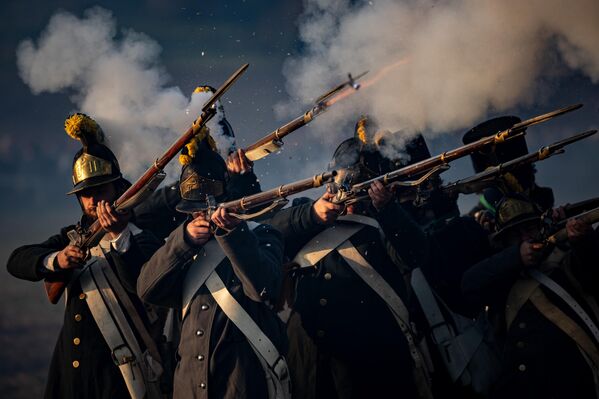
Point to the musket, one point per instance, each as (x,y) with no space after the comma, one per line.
(274,141)
(276,197)
(482,180)
(145,185)
(434,165)
(589,217)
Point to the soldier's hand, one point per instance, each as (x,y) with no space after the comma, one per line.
(531,253)
(111,221)
(324,211)
(485,219)
(237,163)
(577,229)
(379,195)
(198,231)
(70,257)
(222,219)
(558,214)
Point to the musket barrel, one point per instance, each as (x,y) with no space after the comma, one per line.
(267,197)
(589,217)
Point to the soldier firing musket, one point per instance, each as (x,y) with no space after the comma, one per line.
(437,164)
(145,185)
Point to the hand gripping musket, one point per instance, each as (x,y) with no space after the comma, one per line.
(275,198)
(145,185)
(274,141)
(590,217)
(482,180)
(437,164)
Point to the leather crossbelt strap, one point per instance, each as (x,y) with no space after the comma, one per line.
(204,263)
(326,242)
(133,314)
(261,344)
(374,280)
(546,281)
(114,328)
(455,353)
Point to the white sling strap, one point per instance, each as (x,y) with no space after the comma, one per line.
(456,350)
(110,319)
(261,344)
(374,280)
(549,283)
(204,263)
(324,243)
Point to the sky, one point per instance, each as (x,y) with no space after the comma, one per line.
(296,51)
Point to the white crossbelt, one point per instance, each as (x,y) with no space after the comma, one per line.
(203,272)
(546,281)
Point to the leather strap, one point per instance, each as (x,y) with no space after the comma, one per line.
(325,243)
(261,344)
(124,353)
(374,280)
(517,297)
(554,287)
(204,263)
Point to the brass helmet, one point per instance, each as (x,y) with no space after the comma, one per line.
(512,211)
(94,164)
(203,177)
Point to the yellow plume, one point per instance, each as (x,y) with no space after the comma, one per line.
(191,148)
(79,125)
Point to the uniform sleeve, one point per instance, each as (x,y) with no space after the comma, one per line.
(242,185)
(256,257)
(128,264)
(157,214)
(26,262)
(160,281)
(489,281)
(404,235)
(297,226)
(584,261)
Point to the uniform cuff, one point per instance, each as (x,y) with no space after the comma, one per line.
(49,261)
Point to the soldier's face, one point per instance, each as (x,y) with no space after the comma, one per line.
(90,197)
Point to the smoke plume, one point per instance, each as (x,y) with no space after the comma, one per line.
(116,79)
(449,64)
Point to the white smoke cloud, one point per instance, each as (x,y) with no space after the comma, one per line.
(463,59)
(117,80)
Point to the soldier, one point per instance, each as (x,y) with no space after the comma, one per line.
(158,213)
(98,353)
(231,341)
(541,298)
(521,180)
(350,328)
(456,243)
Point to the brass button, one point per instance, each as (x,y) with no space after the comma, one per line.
(200,333)
(520,344)
(203,386)
(77,317)
(522,325)
(82,296)
(76,341)
(522,367)
(200,357)
(76,364)
(205,307)
(323,301)
(320,333)
(328,276)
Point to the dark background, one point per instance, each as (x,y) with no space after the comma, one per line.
(36,154)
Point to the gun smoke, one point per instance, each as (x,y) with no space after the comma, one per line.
(117,80)
(465,60)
